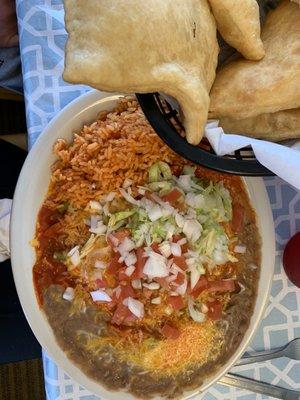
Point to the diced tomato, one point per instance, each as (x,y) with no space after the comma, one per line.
(119,235)
(155,247)
(110,241)
(163,282)
(184,247)
(214,310)
(147,293)
(180,279)
(175,238)
(102,283)
(113,302)
(130,319)
(172,196)
(48,217)
(169,332)
(114,265)
(201,285)
(238,215)
(180,262)
(126,291)
(139,266)
(121,313)
(227,285)
(176,302)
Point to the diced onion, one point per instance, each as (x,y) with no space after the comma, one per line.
(100,264)
(196,315)
(192,230)
(127,182)
(168,310)
(182,241)
(195,276)
(204,308)
(68,294)
(130,270)
(154,212)
(136,284)
(195,201)
(118,291)
(95,205)
(170,230)
(181,289)
(171,278)
(130,259)
(106,209)
(136,307)
(75,258)
(179,219)
(242,287)
(110,196)
(156,266)
(94,221)
(252,266)
(125,301)
(167,210)
(165,249)
(220,257)
(175,269)
(176,249)
(152,285)
(128,197)
(156,300)
(184,182)
(100,229)
(240,249)
(126,246)
(114,240)
(73,250)
(100,295)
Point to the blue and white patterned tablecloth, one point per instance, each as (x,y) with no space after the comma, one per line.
(42,38)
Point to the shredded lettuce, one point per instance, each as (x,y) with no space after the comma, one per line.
(160,186)
(207,204)
(188,170)
(160,171)
(119,216)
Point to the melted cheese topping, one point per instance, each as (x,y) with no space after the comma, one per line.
(197,344)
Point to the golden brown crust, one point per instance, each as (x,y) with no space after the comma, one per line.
(239,24)
(246,88)
(168,46)
(276,127)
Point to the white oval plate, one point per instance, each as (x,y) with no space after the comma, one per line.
(29,195)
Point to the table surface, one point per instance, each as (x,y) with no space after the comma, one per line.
(42,39)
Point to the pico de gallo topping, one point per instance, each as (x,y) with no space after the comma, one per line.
(153,250)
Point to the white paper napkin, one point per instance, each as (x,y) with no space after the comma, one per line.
(5,208)
(283,160)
